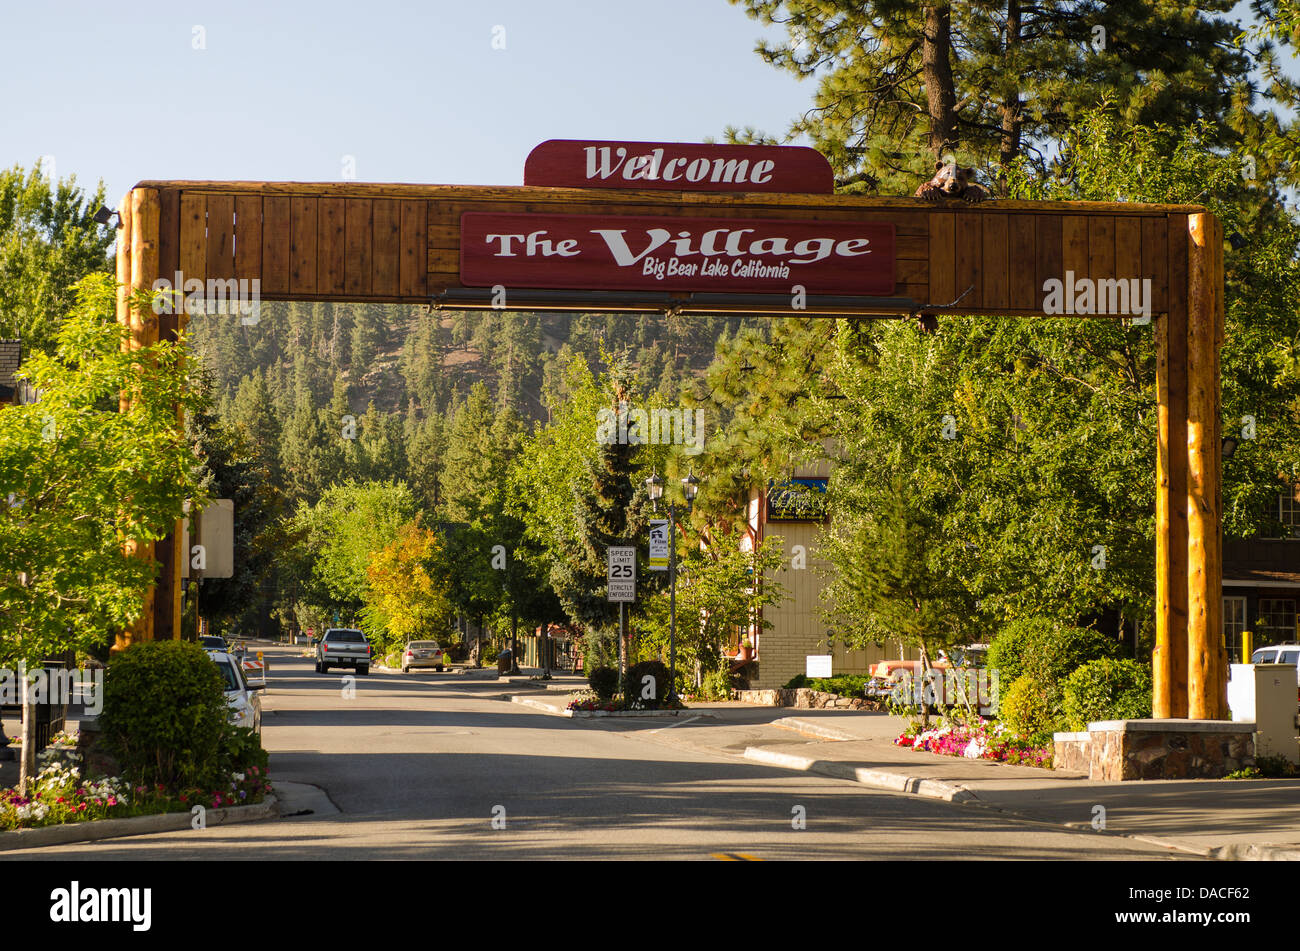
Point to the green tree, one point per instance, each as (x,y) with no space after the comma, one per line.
(902,82)
(81,476)
(48,243)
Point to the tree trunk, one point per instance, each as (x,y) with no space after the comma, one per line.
(923,683)
(514,642)
(1010,110)
(936,70)
(27,764)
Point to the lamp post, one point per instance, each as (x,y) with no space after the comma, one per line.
(655,488)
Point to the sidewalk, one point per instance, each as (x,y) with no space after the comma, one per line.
(1216,818)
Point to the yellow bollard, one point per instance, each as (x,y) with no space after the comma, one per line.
(1247,646)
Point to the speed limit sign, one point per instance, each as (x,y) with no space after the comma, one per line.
(622,574)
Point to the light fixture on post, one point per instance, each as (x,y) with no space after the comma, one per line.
(655,489)
(102,216)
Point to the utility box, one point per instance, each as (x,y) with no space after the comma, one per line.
(1267,694)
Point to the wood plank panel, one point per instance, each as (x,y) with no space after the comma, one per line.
(331,249)
(1074,246)
(1049,241)
(387,249)
(248,237)
(997,279)
(277,239)
(194,237)
(912,248)
(413,274)
(942,252)
(1023,292)
(302,253)
(359,240)
(970,260)
(913,272)
(1155,261)
(221,236)
(1101,247)
(169,256)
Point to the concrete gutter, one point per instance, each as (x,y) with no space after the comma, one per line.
(96,829)
(822,731)
(879,778)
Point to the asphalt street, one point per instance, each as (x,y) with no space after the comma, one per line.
(440,766)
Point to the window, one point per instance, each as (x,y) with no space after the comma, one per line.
(1288,511)
(1234,622)
(1277,620)
(1289,657)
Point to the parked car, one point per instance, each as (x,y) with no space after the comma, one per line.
(211,642)
(343,647)
(1279,654)
(245,699)
(423,654)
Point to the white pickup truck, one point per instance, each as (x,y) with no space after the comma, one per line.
(343,647)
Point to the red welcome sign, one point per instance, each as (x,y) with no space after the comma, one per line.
(574,163)
(650,253)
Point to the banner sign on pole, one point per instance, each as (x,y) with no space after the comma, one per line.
(622,574)
(658,544)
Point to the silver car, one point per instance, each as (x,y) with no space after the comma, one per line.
(245,699)
(423,654)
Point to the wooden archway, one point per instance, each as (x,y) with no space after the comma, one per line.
(402,244)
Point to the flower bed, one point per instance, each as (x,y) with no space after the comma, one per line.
(588,700)
(60,794)
(982,740)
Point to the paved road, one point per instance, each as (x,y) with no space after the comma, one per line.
(420,765)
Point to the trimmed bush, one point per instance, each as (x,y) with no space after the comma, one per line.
(1026,708)
(636,682)
(165,715)
(1046,650)
(604,681)
(1106,689)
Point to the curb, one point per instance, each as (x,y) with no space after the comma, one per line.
(95,830)
(950,792)
(1254,853)
(589,714)
(879,778)
(813,728)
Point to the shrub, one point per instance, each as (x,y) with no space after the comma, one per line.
(845,685)
(636,674)
(1026,708)
(604,681)
(1046,650)
(242,749)
(1106,689)
(165,714)
(795,682)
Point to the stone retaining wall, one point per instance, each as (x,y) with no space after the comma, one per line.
(804,698)
(1116,750)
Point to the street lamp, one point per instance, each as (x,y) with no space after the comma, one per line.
(655,489)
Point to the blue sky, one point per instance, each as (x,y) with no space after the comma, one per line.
(414,91)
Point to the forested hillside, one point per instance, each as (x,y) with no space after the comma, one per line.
(305,366)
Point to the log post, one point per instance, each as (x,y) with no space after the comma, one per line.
(137,267)
(1207,683)
(1169,660)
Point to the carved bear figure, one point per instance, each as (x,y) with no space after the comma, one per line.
(952,181)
